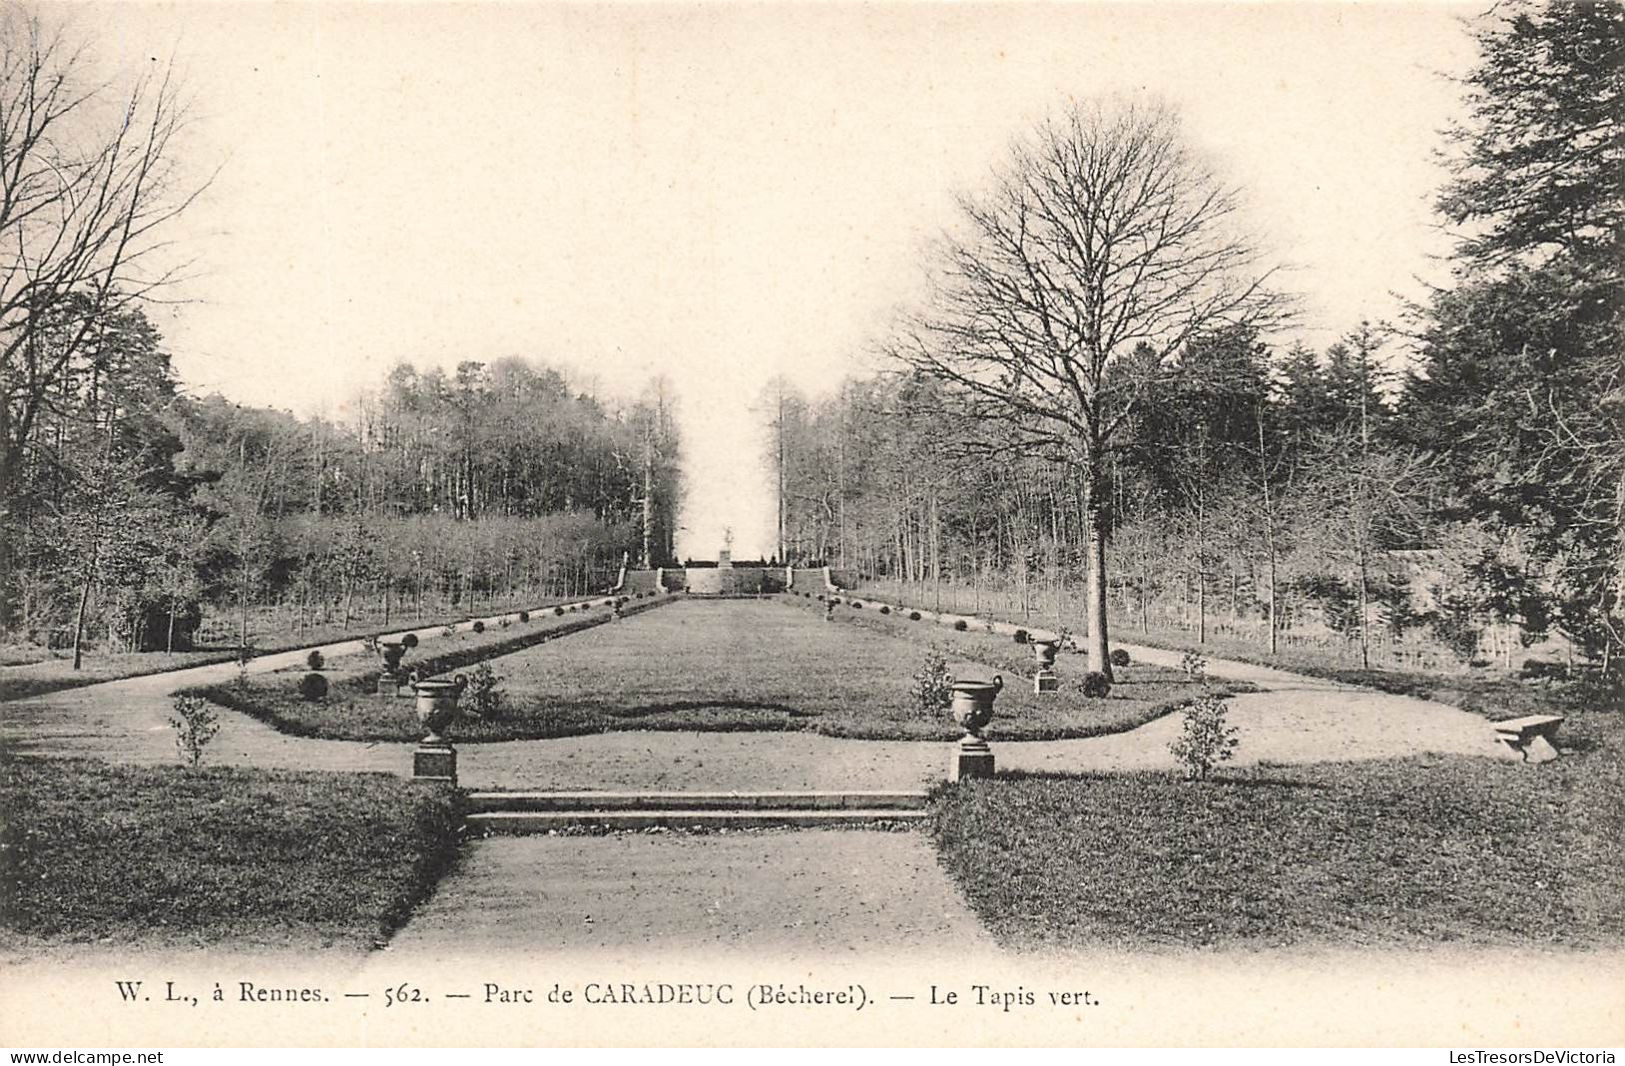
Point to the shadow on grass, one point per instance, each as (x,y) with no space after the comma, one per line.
(1261,777)
(683,706)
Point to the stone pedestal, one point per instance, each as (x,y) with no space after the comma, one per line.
(435,762)
(972,758)
(1539,750)
(390,684)
(1046,681)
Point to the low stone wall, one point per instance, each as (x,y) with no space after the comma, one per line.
(639,581)
(819,578)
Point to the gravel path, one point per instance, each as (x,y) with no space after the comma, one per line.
(635,897)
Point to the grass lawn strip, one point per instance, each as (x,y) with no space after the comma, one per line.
(353,710)
(166,856)
(1494,696)
(1415,852)
(28,672)
(762,666)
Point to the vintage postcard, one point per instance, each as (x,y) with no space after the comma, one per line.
(816,524)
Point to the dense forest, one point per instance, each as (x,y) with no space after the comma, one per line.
(134,516)
(1446,488)
(144,508)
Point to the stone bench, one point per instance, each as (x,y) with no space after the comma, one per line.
(1531,737)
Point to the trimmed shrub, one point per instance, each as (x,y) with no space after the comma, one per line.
(524,616)
(914,616)
(313,687)
(479,627)
(1096,685)
(314,660)
(1022,636)
(409,641)
(1118,657)
(857,605)
(961,625)
(884,609)
(558,610)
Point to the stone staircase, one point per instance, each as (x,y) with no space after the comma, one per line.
(538,812)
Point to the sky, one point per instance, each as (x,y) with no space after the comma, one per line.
(723,193)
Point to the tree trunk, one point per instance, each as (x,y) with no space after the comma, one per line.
(1095,590)
(84,600)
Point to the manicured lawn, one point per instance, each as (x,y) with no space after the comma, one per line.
(1418,852)
(724,665)
(353,710)
(165,856)
(767,665)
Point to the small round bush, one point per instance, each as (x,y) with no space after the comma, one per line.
(857,605)
(1022,636)
(313,687)
(409,641)
(524,616)
(479,627)
(1119,657)
(1096,685)
(884,609)
(914,616)
(558,610)
(960,624)
(314,660)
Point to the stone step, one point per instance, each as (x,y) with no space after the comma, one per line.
(517,822)
(479,802)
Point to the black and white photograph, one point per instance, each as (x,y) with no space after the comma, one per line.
(911,524)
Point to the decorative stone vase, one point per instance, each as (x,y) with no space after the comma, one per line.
(1044,651)
(437,705)
(390,653)
(972,705)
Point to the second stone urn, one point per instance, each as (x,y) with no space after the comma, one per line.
(390,653)
(1046,680)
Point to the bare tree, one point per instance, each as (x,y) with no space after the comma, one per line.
(1102,247)
(87,181)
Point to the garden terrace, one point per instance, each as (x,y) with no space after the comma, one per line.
(29,670)
(1416,852)
(739,665)
(162,856)
(353,711)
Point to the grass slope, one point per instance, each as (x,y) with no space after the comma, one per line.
(1414,852)
(162,855)
(735,665)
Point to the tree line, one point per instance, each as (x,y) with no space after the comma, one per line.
(143,508)
(1101,397)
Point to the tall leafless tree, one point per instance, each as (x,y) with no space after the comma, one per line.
(87,184)
(1102,247)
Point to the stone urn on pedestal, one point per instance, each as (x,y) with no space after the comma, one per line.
(435,758)
(972,708)
(1046,680)
(390,653)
